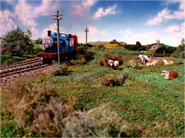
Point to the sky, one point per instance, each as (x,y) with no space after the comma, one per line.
(126,21)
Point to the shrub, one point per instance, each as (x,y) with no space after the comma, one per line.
(80,61)
(113,42)
(97,122)
(138,45)
(133,64)
(8,61)
(161,49)
(100,47)
(37,108)
(171,49)
(107,56)
(81,51)
(123,78)
(17,42)
(102,62)
(38,41)
(118,57)
(110,80)
(58,69)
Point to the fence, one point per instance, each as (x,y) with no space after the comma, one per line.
(164,54)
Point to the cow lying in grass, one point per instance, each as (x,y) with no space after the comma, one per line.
(144,58)
(153,62)
(167,62)
(113,63)
(169,74)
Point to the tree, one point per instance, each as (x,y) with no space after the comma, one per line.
(113,42)
(161,49)
(38,41)
(16,42)
(171,49)
(138,44)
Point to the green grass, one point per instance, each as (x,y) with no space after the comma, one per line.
(154,108)
(15,58)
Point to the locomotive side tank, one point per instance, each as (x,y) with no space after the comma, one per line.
(68,47)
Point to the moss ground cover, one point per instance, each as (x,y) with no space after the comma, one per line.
(148,104)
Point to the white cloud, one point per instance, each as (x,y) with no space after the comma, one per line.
(46,8)
(151,34)
(103,33)
(172,28)
(94,31)
(27,13)
(52,28)
(180,14)
(164,15)
(8,1)
(24,13)
(34,31)
(108,11)
(6,20)
(83,8)
(127,33)
(142,37)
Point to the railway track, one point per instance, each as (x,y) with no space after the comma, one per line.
(22,69)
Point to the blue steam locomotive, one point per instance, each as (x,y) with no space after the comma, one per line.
(68,47)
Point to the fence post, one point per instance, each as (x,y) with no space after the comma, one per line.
(153,54)
(164,54)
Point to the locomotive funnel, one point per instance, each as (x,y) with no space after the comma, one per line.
(49,33)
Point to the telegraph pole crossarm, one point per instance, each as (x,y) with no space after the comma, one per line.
(58,17)
(86,30)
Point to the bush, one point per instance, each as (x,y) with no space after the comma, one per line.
(58,69)
(81,50)
(102,62)
(16,43)
(107,56)
(38,109)
(161,49)
(97,122)
(8,61)
(138,45)
(171,49)
(100,47)
(123,78)
(110,80)
(113,42)
(142,48)
(118,57)
(38,41)
(133,64)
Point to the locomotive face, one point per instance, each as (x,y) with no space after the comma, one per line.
(47,42)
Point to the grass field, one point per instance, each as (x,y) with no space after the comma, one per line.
(148,105)
(114,46)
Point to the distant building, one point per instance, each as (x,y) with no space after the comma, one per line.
(154,47)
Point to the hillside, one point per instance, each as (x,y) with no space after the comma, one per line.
(99,42)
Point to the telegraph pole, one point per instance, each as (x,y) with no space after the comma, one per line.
(58,17)
(86,30)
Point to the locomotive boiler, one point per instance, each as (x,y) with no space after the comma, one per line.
(68,47)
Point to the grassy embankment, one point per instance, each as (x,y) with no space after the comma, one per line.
(148,105)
